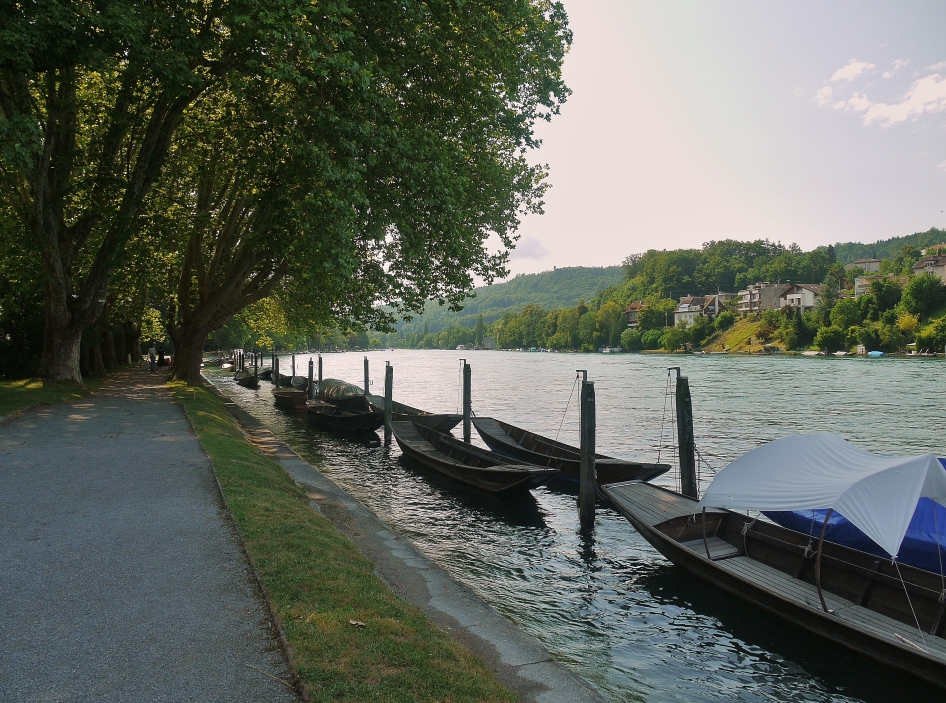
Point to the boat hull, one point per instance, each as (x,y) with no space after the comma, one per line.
(529,447)
(856,628)
(291,399)
(466,463)
(405,413)
(330,417)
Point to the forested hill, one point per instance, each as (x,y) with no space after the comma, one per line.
(560,288)
(887,248)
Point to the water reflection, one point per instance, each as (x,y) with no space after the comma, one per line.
(606,604)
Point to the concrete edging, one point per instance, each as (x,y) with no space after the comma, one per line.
(519,660)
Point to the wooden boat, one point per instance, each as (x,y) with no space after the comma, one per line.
(291,399)
(332,417)
(266,375)
(246,379)
(401,412)
(465,462)
(346,396)
(774,568)
(529,447)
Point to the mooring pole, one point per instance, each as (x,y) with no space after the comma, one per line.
(388,401)
(467,400)
(276,370)
(367,380)
(293,364)
(587,477)
(310,390)
(685,441)
(320,372)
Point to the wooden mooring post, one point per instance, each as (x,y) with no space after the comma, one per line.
(320,371)
(388,401)
(587,476)
(685,441)
(367,377)
(310,389)
(467,400)
(276,370)
(293,366)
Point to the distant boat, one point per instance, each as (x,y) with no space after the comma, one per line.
(875,354)
(532,448)
(291,399)
(465,462)
(331,417)
(246,379)
(401,412)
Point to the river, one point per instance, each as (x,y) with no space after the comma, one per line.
(608,606)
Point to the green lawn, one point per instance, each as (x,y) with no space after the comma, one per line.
(16,396)
(319,582)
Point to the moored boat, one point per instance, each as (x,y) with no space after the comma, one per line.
(332,417)
(532,448)
(886,610)
(290,399)
(346,396)
(246,379)
(465,462)
(401,412)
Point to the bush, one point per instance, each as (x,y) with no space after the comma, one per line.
(831,339)
(651,339)
(631,340)
(725,320)
(891,339)
(846,313)
(869,337)
(923,294)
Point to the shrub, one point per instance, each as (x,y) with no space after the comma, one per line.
(725,320)
(631,340)
(923,294)
(651,339)
(831,339)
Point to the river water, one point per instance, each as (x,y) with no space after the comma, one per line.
(607,605)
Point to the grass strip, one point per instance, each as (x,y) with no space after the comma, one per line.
(17,396)
(319,583)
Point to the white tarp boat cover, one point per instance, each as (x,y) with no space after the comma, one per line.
(878,494)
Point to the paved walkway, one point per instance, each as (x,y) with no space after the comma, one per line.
(120,577)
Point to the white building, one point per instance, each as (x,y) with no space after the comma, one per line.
(801,296)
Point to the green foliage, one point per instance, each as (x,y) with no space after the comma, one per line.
(924,293)
(846,313)
(677,337)
(831,339)
(551,290)
(891,338)
(887,248)
(631,340)
(656,313)
(652,339)
(724,320)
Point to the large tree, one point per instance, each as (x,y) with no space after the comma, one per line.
(91,94)
(371,169)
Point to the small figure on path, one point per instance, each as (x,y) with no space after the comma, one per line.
(161,355)
(152,356)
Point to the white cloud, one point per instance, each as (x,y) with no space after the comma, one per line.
(941,166)
(853,69)
(897,65)
(824,95)
(530,248)
(936,66)
(926,95)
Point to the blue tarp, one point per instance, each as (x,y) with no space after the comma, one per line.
(919,547)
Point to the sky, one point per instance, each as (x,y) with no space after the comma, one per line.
(804,122)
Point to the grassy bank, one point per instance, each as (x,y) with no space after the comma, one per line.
(319,582)
(17,396)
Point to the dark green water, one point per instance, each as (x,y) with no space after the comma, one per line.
(608,606)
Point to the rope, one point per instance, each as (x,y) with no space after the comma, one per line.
(915,619)
(566,407)
(939,553)
(663,417)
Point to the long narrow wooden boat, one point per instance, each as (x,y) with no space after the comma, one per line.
(291,399)
(532,448)
(266,375)
(346,396)
(775,568)
(246,379)
(401,412)
(331,417)
(465,462)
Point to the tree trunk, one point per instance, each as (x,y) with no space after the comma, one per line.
(188,355)
(61,348)
(109,357)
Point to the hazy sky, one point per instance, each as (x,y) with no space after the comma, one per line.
(805,122)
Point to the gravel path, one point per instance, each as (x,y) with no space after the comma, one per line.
(120,577)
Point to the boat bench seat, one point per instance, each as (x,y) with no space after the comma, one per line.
(718,548)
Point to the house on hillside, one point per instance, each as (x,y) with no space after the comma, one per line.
(862,284)
(761,296)
(935,264)
(631,313)
(869,265)
(690,308)
(801,296)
